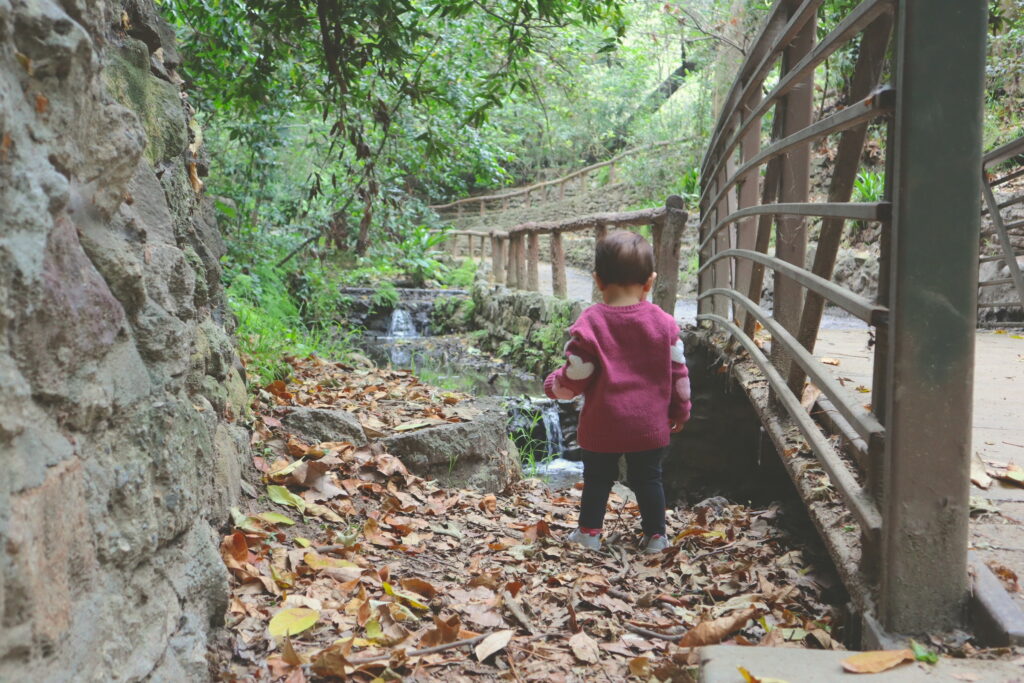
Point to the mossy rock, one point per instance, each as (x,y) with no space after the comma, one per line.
(156,102)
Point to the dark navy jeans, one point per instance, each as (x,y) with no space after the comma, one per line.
(643,475)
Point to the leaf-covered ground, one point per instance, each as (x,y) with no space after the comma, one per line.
(349,567)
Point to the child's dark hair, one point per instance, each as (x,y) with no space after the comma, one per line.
(623,258)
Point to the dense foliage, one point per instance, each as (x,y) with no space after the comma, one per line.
(333,123)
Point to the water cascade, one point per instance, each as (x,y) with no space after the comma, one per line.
(401,325)
(552,429)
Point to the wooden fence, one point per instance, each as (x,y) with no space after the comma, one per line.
(515,253)
(580,177)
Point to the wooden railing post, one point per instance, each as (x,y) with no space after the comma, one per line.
(483,209)
(561,190)
(611,174)
(512,262)
(452,243)
(521,260)
(666,254)
(558,286)
(498,258)
(533,262)
(600,232)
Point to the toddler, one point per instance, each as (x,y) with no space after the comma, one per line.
(626,358)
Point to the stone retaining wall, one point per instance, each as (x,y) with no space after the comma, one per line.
(120,439)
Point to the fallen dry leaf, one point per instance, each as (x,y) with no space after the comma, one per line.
(493,643)
(717,630)
(876,661)
(584,647)
(291,621)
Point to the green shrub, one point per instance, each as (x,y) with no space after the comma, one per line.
(273,323)
(463,276)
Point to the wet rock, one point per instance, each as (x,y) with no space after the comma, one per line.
(474,454)
(318,425)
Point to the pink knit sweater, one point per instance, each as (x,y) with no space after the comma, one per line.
(628,363)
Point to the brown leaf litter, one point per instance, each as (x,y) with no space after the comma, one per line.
(368,572)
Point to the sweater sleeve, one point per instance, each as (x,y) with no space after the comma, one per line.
(679,407)
(573,378)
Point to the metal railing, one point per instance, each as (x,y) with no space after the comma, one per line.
(906,483)
(515,253)
(995,172)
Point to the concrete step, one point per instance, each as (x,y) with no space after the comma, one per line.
(719,664)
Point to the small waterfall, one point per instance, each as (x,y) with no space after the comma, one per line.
(402,325)
(553,429)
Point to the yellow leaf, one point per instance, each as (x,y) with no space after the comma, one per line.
(411,598)
(304,542)
(876,661)
(291,621)
(276,518)
(318,561)
(282,496)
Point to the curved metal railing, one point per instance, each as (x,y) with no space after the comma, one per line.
(756,203)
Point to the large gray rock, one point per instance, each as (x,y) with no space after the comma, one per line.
(475,454)
(318,425)
(120,440)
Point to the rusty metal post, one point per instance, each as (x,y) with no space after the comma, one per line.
(791,231)
(533,262)
(666,251)
(871,56)
(721,272)
(933,304)
(558,285)
(746,229)
(600,232)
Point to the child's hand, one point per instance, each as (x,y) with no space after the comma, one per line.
(676,427)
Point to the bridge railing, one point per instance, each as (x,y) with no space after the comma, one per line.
(502,200)
(906,483)
(516,258)
(994,173)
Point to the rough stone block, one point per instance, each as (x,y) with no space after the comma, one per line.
(317,425)
(477,453)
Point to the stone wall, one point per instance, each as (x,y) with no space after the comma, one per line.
(527,329)
(119,438)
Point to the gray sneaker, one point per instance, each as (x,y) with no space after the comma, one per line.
(653,544)
(577,537)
